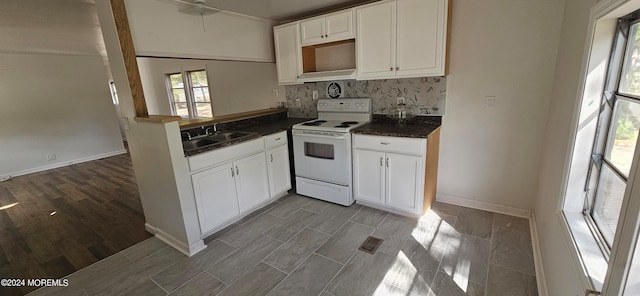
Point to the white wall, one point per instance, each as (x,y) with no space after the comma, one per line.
(506,49)
(159,29)
(234,86)
(54,104)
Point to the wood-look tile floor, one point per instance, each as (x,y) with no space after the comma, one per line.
(302,246)
(56,222)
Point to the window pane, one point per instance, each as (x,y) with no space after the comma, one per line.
(181,110)
(203,110)
(621,143)
(176,81)
(630,79)
(179,95)
(608,202)
(201,94)
(198,78)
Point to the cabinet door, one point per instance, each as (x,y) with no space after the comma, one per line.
(368,176)
(288,53)
(421,41)
(376,40)
(279,175)
(339,26)
(404,182)
(312,31)
(215,193)
(252,182)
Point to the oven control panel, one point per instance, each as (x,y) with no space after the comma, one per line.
(345,105)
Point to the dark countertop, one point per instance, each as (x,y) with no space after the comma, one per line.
(416,127)
(259,127)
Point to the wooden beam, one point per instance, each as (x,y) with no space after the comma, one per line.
(129,54)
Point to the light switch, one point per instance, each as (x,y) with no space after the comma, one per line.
(490,102)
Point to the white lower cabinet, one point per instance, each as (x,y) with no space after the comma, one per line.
(252,183)
(215,192)
(404,181)
(279,175)
(389,172)
(230,182)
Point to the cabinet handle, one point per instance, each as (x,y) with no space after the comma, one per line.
(385,143)
(278,139)
(232,174)
(381,161)
(391,69)
(237,171)
(271,157)
(321,36)
(387,161)
(397,68)
(326,36)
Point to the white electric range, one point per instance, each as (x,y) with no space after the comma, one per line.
(322,149)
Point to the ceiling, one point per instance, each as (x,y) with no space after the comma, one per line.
(281,10)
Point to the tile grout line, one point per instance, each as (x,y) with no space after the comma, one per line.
(512,269)
(323,256)
(205,270)
(217,278)
(337,273)
(493,229)
(161,288)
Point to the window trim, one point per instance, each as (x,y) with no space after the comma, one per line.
(585,251)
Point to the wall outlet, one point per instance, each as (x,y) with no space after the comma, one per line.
(275,92)
(298,103)
(125,123)
(490,102)
(400,100)
(315,94)
(50,156)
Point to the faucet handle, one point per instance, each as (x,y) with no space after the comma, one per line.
(210,130)
(188,135)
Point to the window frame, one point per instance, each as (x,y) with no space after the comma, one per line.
(188,88)
(609,102)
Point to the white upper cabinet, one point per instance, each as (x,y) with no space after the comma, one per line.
(327,28)
(288,53)
(401,38)
(375,44)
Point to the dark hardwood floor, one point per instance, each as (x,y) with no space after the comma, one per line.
(55,222)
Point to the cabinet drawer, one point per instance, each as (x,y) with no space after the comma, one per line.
(391,144)
(276,139)
(226,154)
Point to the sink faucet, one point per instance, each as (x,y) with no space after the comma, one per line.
(214,128)
(188,135)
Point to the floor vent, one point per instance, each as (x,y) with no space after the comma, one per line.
(371,244)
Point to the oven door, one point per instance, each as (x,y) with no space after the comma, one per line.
(322,156)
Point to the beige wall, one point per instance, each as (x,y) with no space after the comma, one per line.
(234,86)
(506,49)
(159,29)
(57,104)
(562,274)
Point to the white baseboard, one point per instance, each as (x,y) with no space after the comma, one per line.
(60,164)
(175,243)
(480,205)
(537,257)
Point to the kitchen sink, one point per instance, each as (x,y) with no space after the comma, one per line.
(214,139)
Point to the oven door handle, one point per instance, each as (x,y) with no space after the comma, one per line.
(301,134)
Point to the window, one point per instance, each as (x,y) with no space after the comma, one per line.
(189,94)
(618,125)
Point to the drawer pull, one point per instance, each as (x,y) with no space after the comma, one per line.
(237,171)
(232,174)
(381,161)
(387,161)
(271,157)
(385,143)
(278,139)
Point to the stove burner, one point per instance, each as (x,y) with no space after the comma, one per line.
(314,123)
(342,125)
(350,122)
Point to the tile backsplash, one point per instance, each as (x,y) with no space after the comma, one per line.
(427,95)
